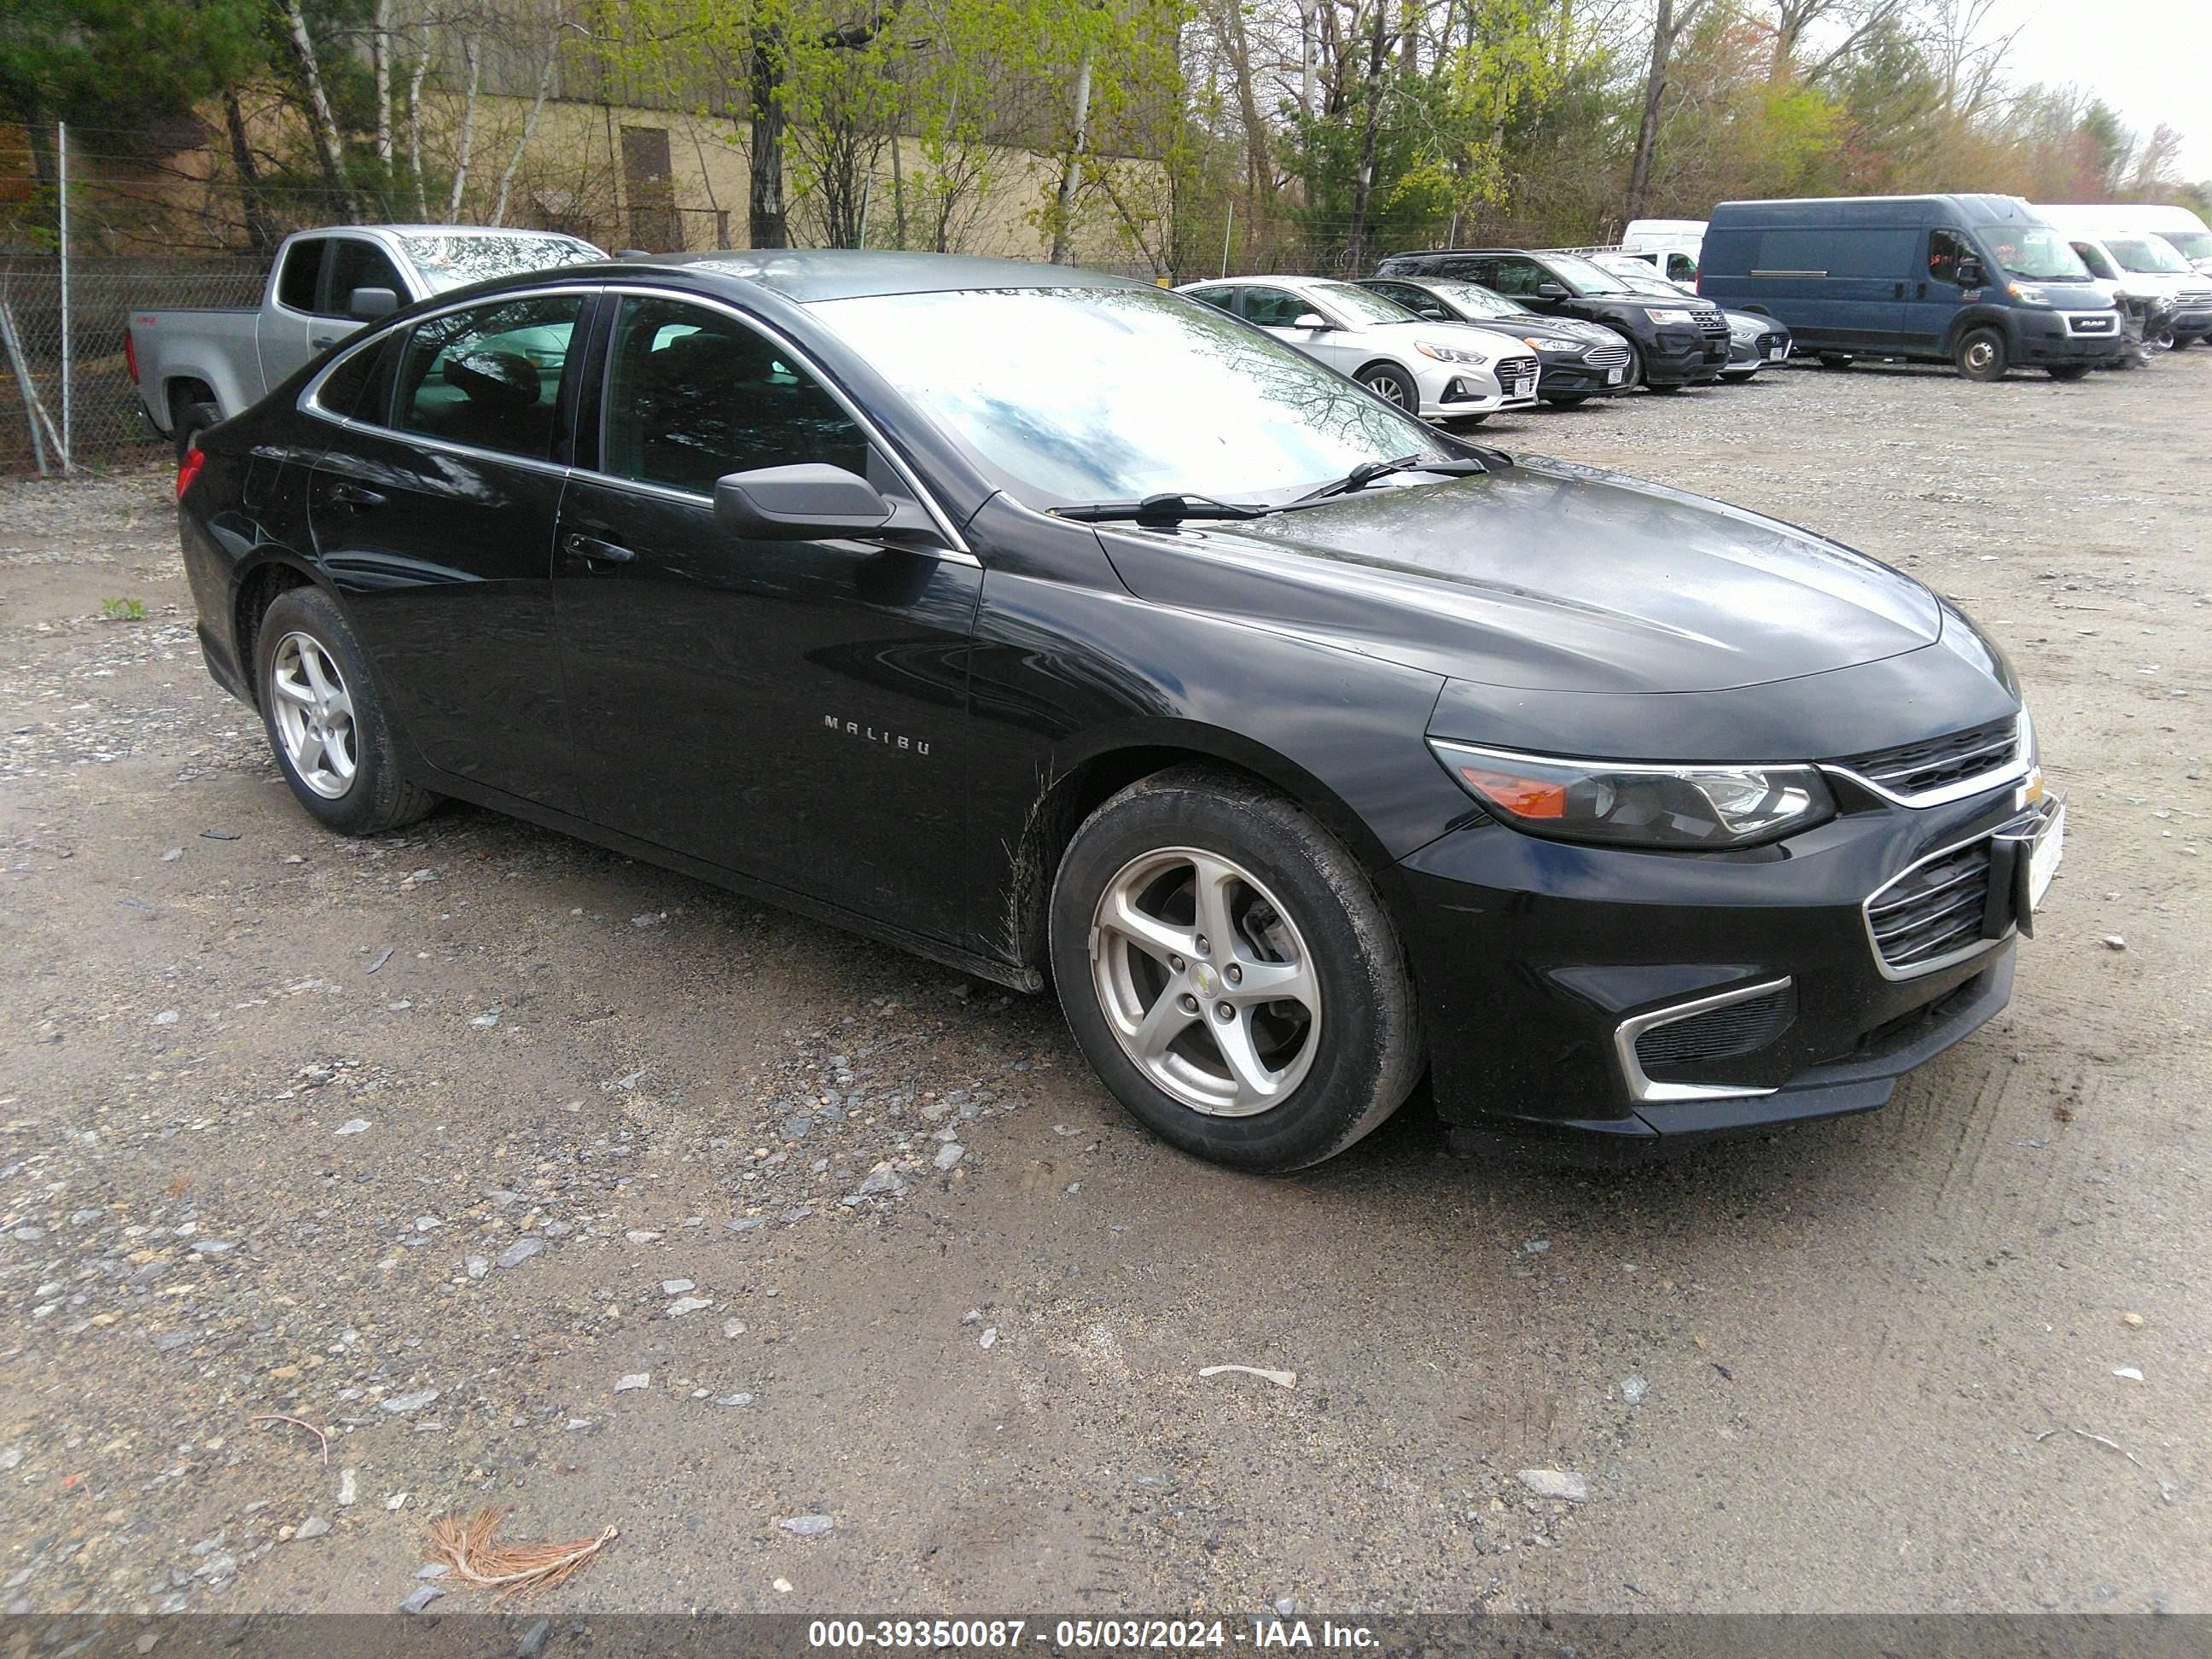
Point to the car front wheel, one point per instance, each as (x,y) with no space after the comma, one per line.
(1981,355)
(1393,385)
(1229,971)
(326,721)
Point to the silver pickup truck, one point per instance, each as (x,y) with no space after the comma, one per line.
(198,366)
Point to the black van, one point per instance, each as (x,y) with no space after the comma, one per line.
(1675,346)
(1977,281)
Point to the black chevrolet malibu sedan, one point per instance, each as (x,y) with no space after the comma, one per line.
(1071,633)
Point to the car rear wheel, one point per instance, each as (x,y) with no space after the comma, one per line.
(1980,355)
(326,720)
(190,415)
(1837,360)
(1229,970)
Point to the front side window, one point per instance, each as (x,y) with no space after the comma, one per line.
(2099,266)
(355,264)
(694,394)
(298,284)
(490,376)
(1515,278)
(1273,307)
(1363,306)
(1111,394)
(1947,251)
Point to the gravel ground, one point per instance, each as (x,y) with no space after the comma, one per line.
(544,1179)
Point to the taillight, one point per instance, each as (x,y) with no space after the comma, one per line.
(130,355)
(189,468)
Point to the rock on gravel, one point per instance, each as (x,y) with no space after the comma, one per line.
(806,1526)
(521,1251)
(400,1404)
(314,1527)
(1555,1483)
(420,1597)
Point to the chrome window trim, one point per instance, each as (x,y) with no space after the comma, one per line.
(1949,958)
(1642,1087)
(308,405)
(2021,764)
(957,549)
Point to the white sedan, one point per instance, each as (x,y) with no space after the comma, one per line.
(1438,370)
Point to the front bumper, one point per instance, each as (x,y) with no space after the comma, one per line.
(2050,336)
(1685,356)
(1450,390)
(1539,963)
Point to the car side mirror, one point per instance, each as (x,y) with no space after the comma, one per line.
(1311,320)
(366,304)
(800,503)
(1969,273)
(1550,291)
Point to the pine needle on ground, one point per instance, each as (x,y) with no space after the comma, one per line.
(474,1552)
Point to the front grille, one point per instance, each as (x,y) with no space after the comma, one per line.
(1917,768)
(1741,1028)
(1933,911)
(2092,323)
(2196,296)
(1606,356)
(1516,376)
(1712,321)
(1767,342)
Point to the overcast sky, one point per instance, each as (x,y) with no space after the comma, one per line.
(2149,59)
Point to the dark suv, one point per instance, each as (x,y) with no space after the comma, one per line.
(1677,345)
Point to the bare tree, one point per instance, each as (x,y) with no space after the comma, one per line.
(473,54)
(546,66)
(322,120)
(1668,26)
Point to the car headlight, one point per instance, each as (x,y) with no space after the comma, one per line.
(1532,344)
(1636,806)
(1450,354)
(2028,294)
(1667,314)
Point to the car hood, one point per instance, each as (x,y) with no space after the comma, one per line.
(1545,575)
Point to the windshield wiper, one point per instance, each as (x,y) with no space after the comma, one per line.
(1161,509)
(1368,472)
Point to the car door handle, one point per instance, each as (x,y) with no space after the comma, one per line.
(322,342)
(1898,292)
(346,495)
(590,548)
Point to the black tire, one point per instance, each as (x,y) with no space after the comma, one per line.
(378,797)
(191,413)
(1980,355)
(1837,360)
(1393,385)
(1666,391)
(2069,371)
(1575,401)
(1366,1052)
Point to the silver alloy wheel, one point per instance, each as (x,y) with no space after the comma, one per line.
(1206,980)
(314,715)
(1387,387)
(1980,354)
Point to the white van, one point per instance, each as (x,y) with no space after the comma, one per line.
(2139,265)
(1669,246)
(2176,226)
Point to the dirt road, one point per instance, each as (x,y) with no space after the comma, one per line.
(546,1179)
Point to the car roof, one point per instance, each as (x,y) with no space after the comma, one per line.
(805,275)
(1272,282)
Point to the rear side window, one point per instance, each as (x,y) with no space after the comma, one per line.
(1850,252)
(1221,299)
(694,394)
(1419,300)
(360,388)
(302,276)
(490,376)
(355,264)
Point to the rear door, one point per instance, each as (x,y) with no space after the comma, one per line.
(289,318)
(787,709)
(433,510)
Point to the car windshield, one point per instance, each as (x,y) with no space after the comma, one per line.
(1583,276)
(1109,394)
(1638,282)
(450,262)
(1472,300)
(2033,252)
(2189,244)
(2146,254)
(1363,305)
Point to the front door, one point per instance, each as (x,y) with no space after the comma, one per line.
(433,514)
(790,710)
(1278,311)
(291,319)
(1933,300)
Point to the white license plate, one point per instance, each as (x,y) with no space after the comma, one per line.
(2043,860)
(1778,354)
(1613,375)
